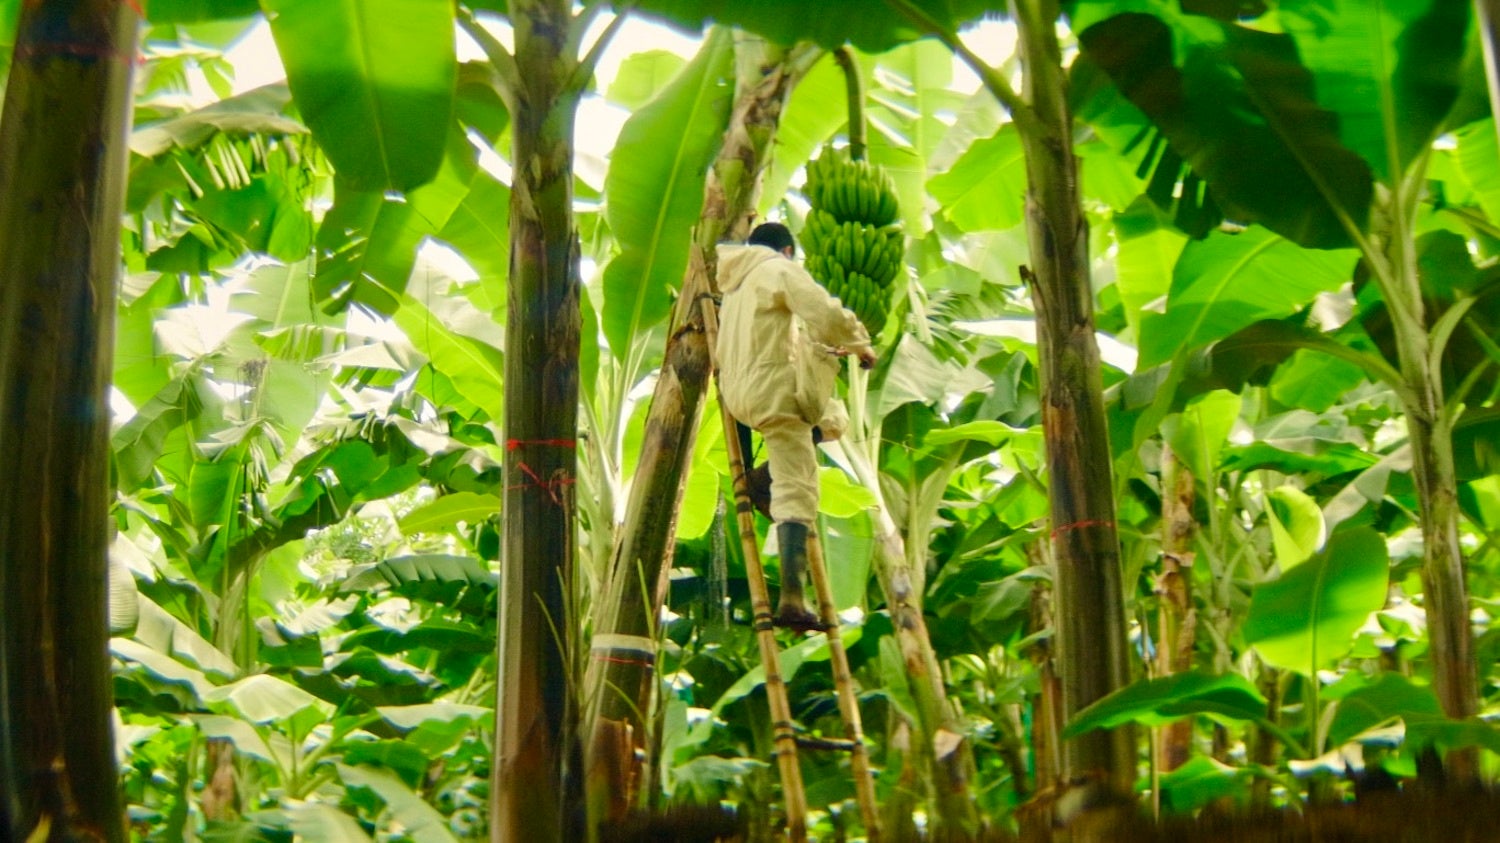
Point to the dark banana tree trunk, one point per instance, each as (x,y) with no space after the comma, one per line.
(621,677)
(1090,636)
(538,785)
(1090,612)
(1091,647)
(62,172)
(1430,428)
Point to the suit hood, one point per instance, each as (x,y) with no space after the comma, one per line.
(736,262)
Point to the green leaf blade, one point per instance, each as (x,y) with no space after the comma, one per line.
(1307,618)
(408,810)
(262,698)
(985,189)
(474,366)
(1391,71)
(642,76)
(403,571)
(871,25)
(1228,282)
(374,80)
(1238,108)
(193,11)
(1390,695)
(321,821)
(449,510)
(1296,525)
(1158,701)
(655,193)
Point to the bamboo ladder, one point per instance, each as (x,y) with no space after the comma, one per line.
(782,730)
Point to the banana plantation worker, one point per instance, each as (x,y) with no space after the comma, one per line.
(780,337)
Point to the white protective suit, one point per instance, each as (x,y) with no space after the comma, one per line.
(780,334)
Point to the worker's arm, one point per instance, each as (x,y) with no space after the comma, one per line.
(828,321)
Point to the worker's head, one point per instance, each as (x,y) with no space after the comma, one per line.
(776,236)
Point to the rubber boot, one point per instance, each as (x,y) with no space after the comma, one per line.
(757,477)
(758,487)
(792,612)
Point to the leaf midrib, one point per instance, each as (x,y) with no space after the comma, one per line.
(1225,279)
(653,248)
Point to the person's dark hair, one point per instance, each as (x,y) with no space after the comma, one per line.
(773,234)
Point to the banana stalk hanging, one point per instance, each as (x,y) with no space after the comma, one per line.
(852,243)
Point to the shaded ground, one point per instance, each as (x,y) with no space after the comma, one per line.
(1393,816)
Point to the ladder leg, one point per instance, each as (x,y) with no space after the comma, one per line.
(760,600)
(843,680)
(785,737)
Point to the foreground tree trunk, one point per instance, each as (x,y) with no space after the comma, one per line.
(538,784)
(1429,425)
(1089,611)
(621,675)
(937,744)
(1092,655)
(62,169)
(940,742)
(1091,643)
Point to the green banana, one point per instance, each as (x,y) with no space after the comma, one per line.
(817,266)
(851,242)
(895,247)
(811,243)
(827,224)
(874,264)
(825,227)
(812,233)
(889,268)
(866,302)
(856,249)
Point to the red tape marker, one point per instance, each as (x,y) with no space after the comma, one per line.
(1079,525)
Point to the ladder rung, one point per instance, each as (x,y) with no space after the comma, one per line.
(835,744)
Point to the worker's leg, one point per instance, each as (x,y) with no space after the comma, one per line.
(794,507)
(794,468)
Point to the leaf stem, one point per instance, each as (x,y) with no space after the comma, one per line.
(855,88)
(1282,735)
(585,69)
(1020,112)
(507,75)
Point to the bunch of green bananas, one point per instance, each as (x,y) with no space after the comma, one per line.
(852,244)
